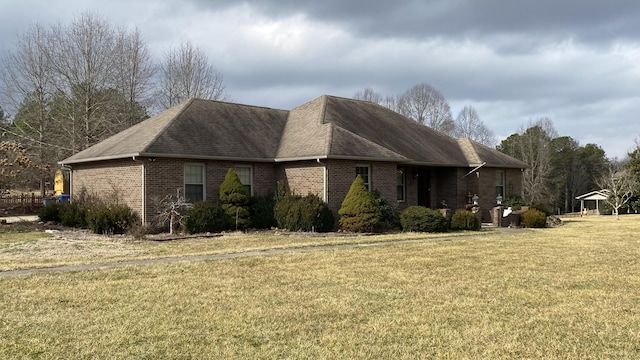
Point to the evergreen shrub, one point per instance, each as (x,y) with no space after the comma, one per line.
(360,211)
(50,212)
(420,218)
(205,217)
(303,213)
(114,219)
(234,200)
(261,210)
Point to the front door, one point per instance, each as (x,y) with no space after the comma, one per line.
(424,187)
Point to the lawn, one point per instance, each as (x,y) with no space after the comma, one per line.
(564,293)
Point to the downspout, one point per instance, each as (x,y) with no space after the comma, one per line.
(68,167)
(144,198)
(324,181)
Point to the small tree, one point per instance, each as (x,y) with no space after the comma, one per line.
(171,209)
(359,211)
(621,185)
(234,199)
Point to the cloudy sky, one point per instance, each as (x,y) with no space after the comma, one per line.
(576,62)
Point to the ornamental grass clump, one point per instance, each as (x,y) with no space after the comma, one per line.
(534,218)
(465,220)
(360,211)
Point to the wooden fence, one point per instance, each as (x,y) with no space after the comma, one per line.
(23,204)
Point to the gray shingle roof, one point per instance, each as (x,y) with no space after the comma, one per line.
(327,127)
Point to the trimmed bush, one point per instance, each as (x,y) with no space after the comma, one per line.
(234,200)
(420,218)
(359,211)
(534,218)
(465,220)
(205,217)
(261,209)
(303,213)
(50,212)
(115,219)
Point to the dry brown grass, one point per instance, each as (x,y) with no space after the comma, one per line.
(564,293)
(19,250)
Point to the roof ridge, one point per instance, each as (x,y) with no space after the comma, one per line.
(184,105)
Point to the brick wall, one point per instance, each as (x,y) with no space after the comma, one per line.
(306,177)
(164,176)
(118,179)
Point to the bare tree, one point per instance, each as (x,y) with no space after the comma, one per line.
(369,94)
(426,105)
(533,146)
(469,125)
(85,63)
(28,88)
(374,96)
(620,184)
(135,71)
(170,209)
(187,73)
(71,86)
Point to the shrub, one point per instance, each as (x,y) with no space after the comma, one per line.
(115,219)
(50,212)
(73,215)
(359,211)
(389,218)
(234,199)
(205,217)
(304,213)
(465,220)
(515,202)
(534,218)
(419,218)
(261,209)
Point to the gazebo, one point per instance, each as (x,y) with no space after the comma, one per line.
(597,196)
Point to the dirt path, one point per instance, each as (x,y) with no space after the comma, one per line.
(217,257)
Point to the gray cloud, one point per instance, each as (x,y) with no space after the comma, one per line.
(575,62)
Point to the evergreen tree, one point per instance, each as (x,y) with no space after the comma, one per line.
(359,211)
(234,199)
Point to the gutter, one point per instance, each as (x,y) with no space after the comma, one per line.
(144,182)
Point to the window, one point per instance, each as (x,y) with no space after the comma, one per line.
(500,183)
(363,171)
(245,176)
(193,182)
(401,184)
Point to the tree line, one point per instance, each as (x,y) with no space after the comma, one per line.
(69,86)
(427,106)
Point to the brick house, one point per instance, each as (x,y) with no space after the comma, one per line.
(318,147)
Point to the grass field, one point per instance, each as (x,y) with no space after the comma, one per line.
(565,293)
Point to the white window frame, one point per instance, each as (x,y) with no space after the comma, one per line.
(250,184)
(402,176)
(367,181)
(203,184)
